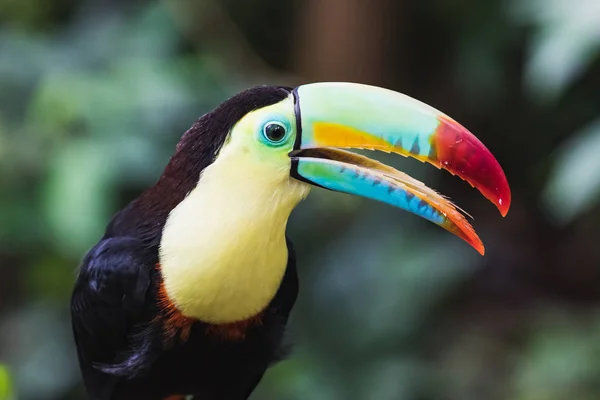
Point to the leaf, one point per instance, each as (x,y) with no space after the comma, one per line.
(78,195)
(574,183)
(566,41)
(6,387)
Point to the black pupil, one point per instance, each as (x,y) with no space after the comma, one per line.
(275,132)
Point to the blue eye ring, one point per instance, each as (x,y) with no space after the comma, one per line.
(275,132)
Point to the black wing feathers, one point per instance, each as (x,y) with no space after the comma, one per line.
(112,301)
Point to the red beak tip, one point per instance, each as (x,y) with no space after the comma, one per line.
(503,201)
(463,154)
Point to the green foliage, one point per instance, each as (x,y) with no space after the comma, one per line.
(566,41)
(574,184)
(561,361)
(6,389)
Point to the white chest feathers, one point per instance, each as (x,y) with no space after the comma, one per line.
(223,252)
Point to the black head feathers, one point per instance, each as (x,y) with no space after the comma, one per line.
(195,151)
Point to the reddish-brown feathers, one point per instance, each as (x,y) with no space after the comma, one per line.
(176,325)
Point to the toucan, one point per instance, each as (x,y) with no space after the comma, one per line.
(188,293)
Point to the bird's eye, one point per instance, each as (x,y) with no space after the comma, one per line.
(275,132)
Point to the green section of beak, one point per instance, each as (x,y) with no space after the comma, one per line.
(357,115)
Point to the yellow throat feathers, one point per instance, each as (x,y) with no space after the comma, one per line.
(223,252)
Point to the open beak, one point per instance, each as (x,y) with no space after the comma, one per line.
(330,116)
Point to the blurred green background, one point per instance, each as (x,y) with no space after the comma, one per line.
(94,94)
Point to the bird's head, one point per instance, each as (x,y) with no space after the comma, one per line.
(273,144)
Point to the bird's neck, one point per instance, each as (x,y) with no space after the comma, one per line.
(223,251)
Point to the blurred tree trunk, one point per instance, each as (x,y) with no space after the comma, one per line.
(343,40)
